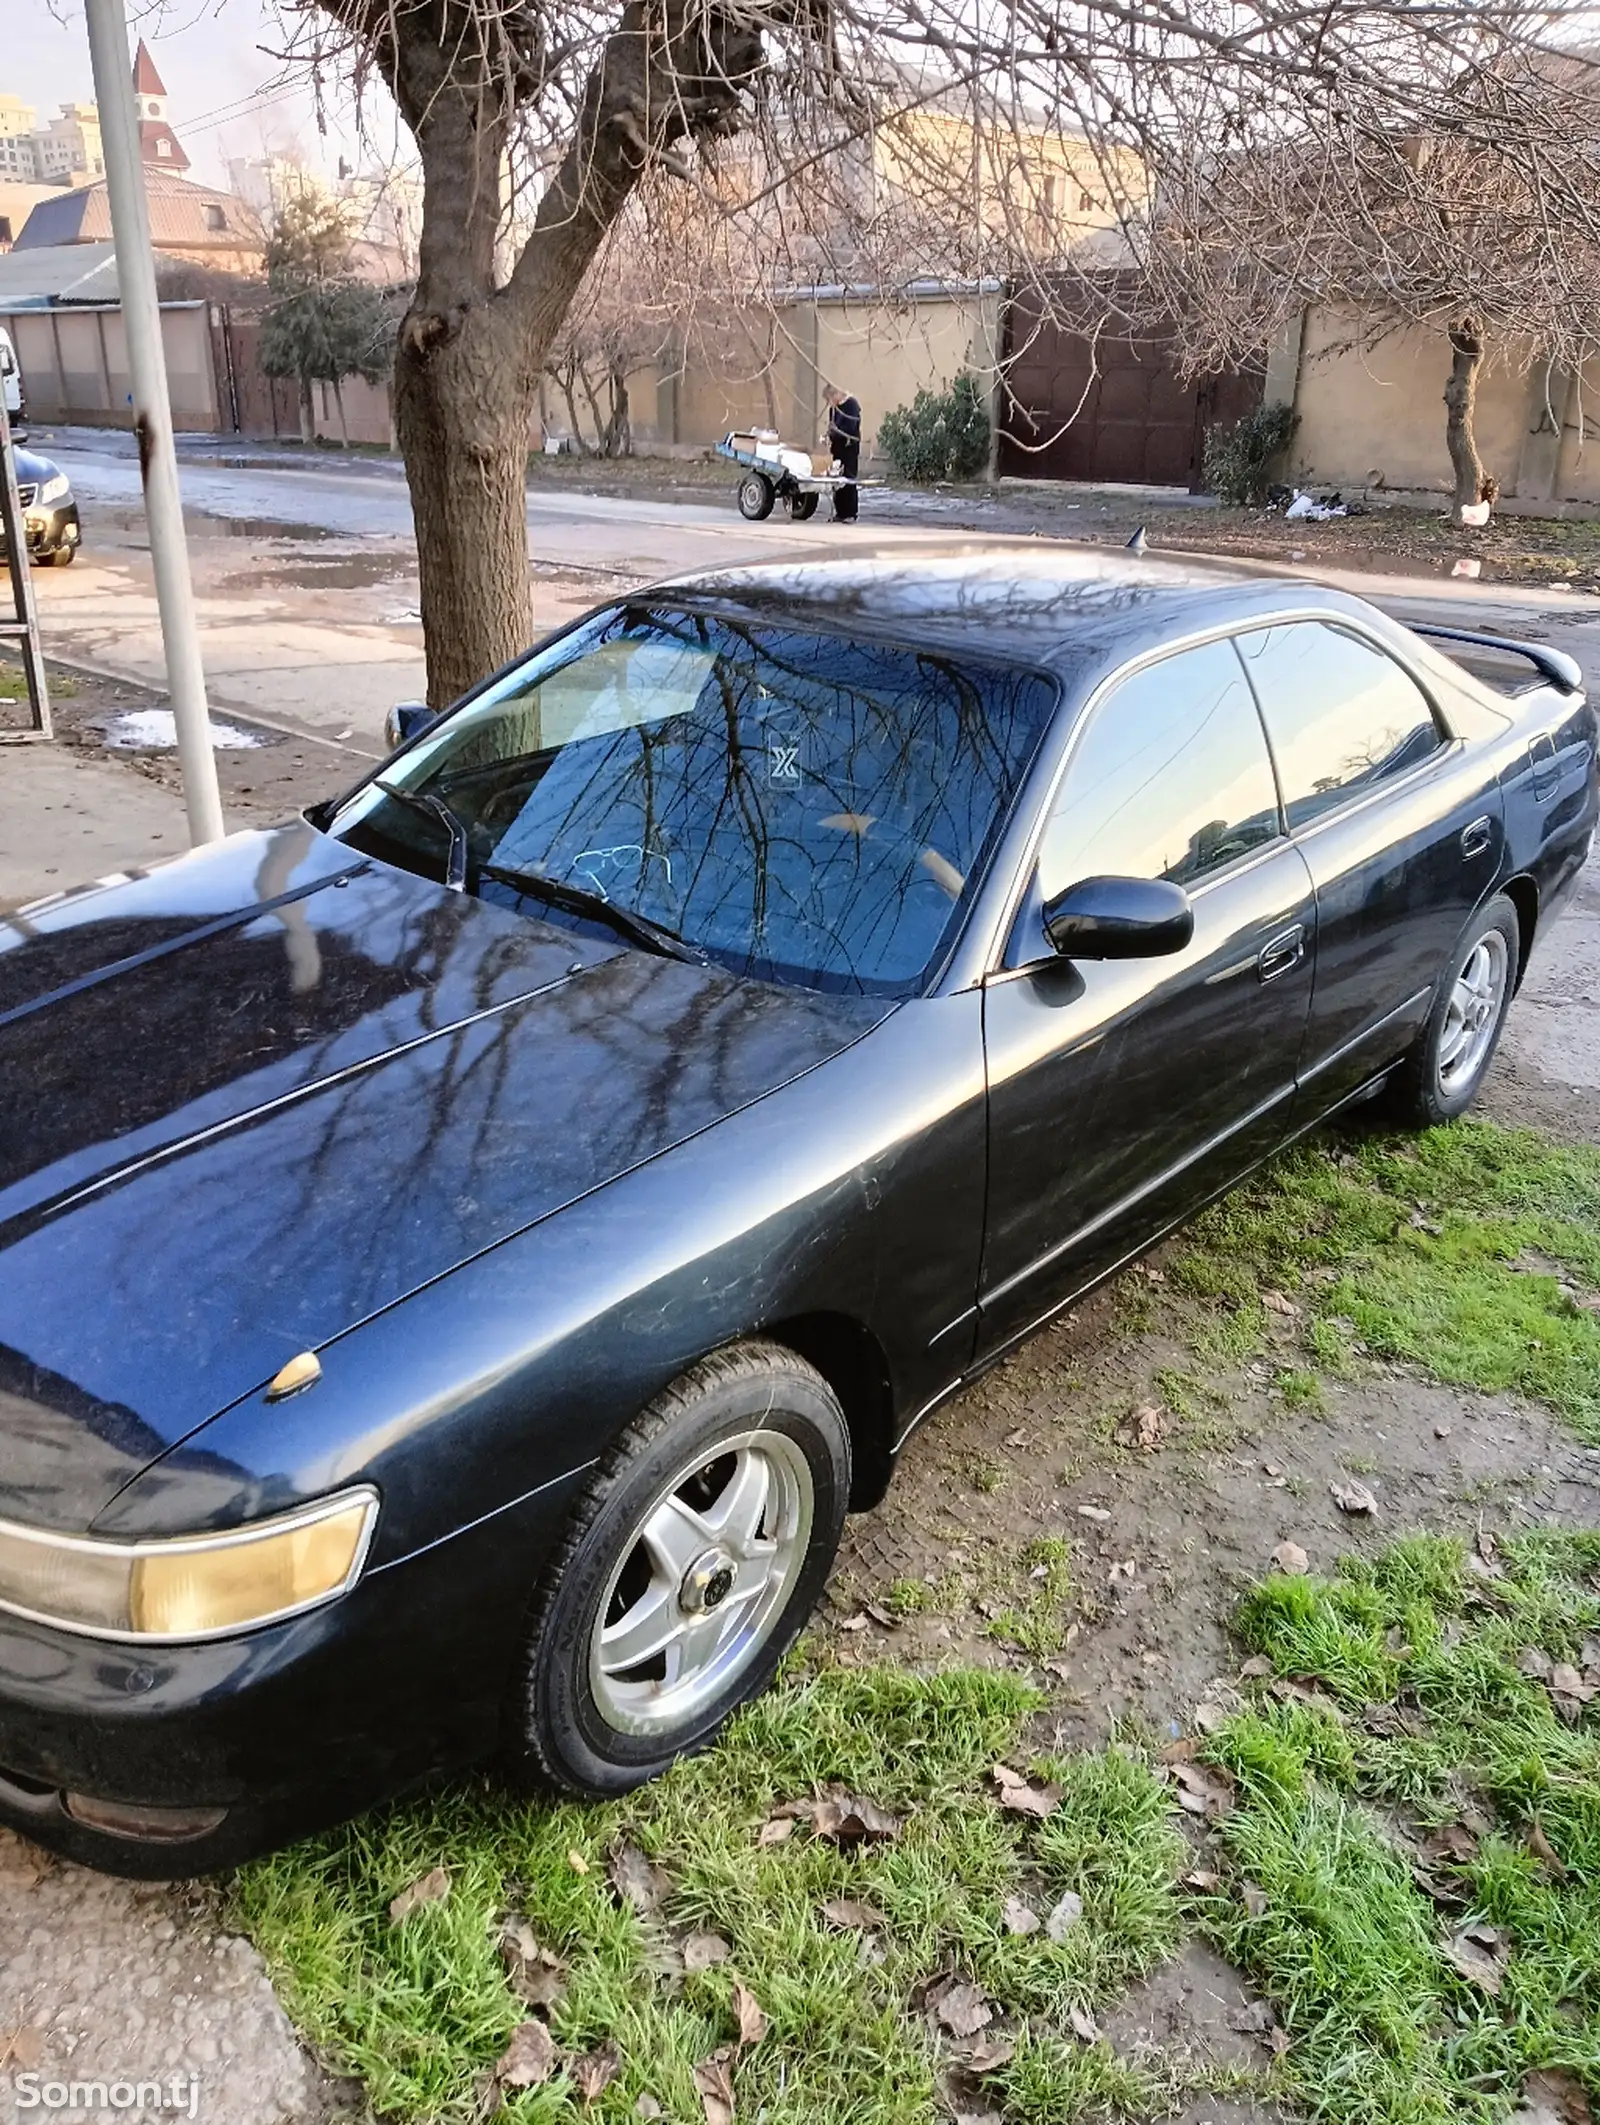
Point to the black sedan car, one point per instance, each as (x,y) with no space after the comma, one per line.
(462,1253)
(49,511)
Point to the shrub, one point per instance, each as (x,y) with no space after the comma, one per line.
(941,435)
(1238,460)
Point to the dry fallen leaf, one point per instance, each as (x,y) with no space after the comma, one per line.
(853,1623)
(1021,1795)
(1453,1842)
(990,2055)
(1545,1852)
(1017,1917)
(1291,1558)
(635,1880)
(577,1862)
(535,1975)
(752,2021)
(1478,1965)
(1093,1512)
(1279,1302)
(594,2072)
(1203,1879)
(1084,2026)
(1258,1664)
(1556,2096)
(1209,1717)
(849,1820)
(1254,1899)
(1536,1663)
(851,1916)
(701,1950)
(528,2059)
(430,1888)
(1201,1791)
(1353,1498)
(1144,1429)
(647,2107)
(775,1829)
(959,2007)
(714,2085)
(1064,1915)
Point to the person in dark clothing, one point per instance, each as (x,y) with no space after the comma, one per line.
(844,440)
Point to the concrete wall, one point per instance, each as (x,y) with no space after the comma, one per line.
(75,365)
(1372,416)
(771,369)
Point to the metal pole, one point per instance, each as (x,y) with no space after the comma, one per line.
(152,413)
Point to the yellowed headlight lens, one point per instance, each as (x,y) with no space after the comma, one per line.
(190,1592)
(187,1589)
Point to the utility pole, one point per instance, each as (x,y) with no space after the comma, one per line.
(152,414)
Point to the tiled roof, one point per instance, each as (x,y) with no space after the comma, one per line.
(152,131)
(182,216)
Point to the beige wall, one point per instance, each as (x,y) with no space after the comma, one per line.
(75,365)
(774,370)
(1373,417)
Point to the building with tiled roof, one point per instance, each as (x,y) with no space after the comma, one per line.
(188,221)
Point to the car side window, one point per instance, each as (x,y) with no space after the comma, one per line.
(1342,716)
(1172,778)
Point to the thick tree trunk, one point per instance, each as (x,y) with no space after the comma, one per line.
(1461,402)
(470,352)
(308,413)
(338,404)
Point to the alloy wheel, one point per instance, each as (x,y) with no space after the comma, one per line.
(1472,1014)
(702,1582)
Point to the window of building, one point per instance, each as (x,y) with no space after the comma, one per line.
(163,147)
(1341,715)
(215,218)
(1172,779)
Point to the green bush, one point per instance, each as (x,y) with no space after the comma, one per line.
(941,435)
(1239,460)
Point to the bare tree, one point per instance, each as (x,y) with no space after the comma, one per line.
(575,108)
(1484,227)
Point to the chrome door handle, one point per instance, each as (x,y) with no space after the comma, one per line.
(1477,837)
(1282,952)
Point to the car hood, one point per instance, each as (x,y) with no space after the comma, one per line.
(33,469)
(255,1097)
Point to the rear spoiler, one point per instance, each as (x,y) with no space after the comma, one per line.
(1553,664)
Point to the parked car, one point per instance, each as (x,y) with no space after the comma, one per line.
(463,1252)
(49,511)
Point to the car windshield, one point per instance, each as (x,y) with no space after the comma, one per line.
(794,806)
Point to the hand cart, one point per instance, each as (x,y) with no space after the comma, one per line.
(775,472)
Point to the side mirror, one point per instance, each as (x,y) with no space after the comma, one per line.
(1119,918)
(405,721)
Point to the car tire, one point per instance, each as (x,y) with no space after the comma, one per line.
(702,1543)
(756,497)
(61,557)
(1441,1076)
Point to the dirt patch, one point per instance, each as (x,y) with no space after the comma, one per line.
(1190,2009)
(259,787)
(1165,1539)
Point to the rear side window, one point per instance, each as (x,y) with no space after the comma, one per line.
(1341,715)
(1172,778)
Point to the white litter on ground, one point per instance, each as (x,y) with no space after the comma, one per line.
(152,730)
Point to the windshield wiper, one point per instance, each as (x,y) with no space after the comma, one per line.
(578,900)
(455,866)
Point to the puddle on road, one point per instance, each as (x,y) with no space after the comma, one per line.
(325,571)
(200,524)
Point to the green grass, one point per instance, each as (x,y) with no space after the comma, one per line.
(1335,1802)
(14,684)
(422,2010)
(1464,1251)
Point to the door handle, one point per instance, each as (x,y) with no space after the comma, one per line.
(1282,952)
(1477,837)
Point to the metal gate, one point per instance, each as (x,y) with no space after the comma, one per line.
(1110,406)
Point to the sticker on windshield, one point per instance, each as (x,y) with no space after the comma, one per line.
(783,759)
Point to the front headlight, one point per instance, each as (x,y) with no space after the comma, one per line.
(195,1586)
(56,489)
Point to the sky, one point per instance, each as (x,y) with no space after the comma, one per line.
(226,93)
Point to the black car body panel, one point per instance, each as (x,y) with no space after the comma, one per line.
(508,1178)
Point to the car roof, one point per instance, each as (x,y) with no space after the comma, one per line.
(1012,599)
